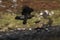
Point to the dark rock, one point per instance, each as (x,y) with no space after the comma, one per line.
(37,21)
(19,17)
(35,34)
(26,12)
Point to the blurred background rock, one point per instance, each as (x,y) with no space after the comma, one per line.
(9,9)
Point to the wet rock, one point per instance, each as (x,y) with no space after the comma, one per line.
(35,34)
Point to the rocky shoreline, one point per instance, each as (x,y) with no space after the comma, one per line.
(35,34)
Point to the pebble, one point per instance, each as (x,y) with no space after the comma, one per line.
(23,28)
(2,6)
(30,28)
(0,1)
(41,14)
(14,0)
(18,28)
